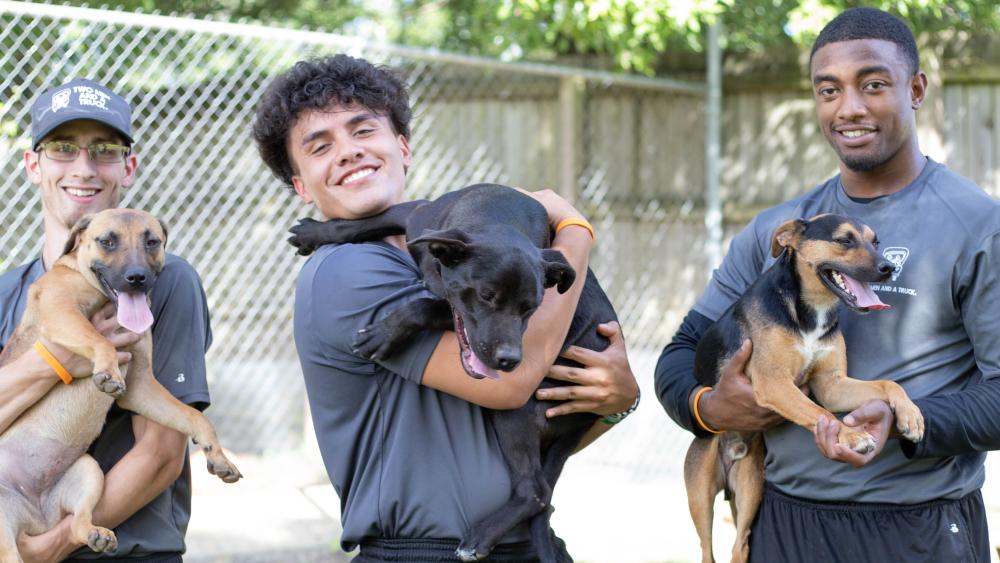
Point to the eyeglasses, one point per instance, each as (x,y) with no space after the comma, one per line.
(101,153)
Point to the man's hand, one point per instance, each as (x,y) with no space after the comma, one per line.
(874,417)
(731,404)
(49,547)
(557,208)
(106,322)
(605,384)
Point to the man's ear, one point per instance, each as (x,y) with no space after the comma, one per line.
(131,165)
(300,189)
(32,166)
(74,235)
(787,236)
(449,247)
(558,272)
(918,89)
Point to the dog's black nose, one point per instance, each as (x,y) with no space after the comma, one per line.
(507,358)
(136,278)
(885,268)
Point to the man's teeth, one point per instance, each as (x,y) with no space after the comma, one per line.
(853,134)
(78,192)
(839,280)
(357,175)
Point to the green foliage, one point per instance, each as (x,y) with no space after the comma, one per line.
(630,35)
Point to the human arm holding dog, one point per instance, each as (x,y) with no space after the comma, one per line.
(544,337)
(604,385)
(27,378)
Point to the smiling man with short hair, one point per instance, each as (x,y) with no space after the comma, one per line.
(82,162)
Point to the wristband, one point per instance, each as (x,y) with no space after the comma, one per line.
(617,417)
(697,417)
(578,222)
(53,362)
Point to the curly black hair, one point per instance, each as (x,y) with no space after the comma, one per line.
(869,23)
(317,84)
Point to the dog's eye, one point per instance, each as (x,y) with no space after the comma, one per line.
(152,243)
(106,243)
(843,241)
(487,295)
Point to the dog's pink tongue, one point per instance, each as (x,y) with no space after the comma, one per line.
(866,297)
(479,367)
(133,312)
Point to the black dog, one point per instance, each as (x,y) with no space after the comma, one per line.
(482,250)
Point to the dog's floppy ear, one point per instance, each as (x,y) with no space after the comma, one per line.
(558,272)
(163,226)
(450,247)
(74,236)
(787,235)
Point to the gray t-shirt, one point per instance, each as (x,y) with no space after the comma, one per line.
(181,336)
(941,336)
(407,461)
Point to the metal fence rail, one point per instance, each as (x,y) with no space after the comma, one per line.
(629,150)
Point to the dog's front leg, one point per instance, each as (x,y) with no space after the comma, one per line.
(839,393)
(310,234)
(378,340)
(146,397)
(773,377)
(63,323)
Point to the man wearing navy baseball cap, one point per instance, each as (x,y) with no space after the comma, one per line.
(81,160)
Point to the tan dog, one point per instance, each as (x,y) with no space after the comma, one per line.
(790,316)
(44,471)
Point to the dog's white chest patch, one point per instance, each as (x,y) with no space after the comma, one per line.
(810,346)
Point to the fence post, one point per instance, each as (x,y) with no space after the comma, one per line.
(713,110)
(571,90)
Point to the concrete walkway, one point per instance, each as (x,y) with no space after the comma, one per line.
(285,511)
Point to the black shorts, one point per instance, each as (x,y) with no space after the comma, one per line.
(432,551)
(793,530)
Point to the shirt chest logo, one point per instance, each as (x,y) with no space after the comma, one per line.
(897,255)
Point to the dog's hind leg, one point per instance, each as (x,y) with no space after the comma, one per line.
(556,456)
(8,539)
(746,479)
(77,492)
(703,479)
(521,447)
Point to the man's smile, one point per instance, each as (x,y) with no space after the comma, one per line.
(357,175)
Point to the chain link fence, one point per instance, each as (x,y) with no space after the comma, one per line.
(630,151)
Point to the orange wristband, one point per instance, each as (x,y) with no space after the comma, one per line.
(53,362)
(578,222)
(697,417)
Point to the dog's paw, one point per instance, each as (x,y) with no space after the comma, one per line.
(372,342)
(220,466)
(309,235)
(107,383)
(909,421)
(102,540)
(860,442)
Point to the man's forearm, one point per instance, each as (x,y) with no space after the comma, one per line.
(153,463)
(22,383)
(959,423)
(674,377)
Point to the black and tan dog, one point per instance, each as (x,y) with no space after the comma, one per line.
(790,316)
(45,472)
(482,250)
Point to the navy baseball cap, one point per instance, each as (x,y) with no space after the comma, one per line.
(79,99)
